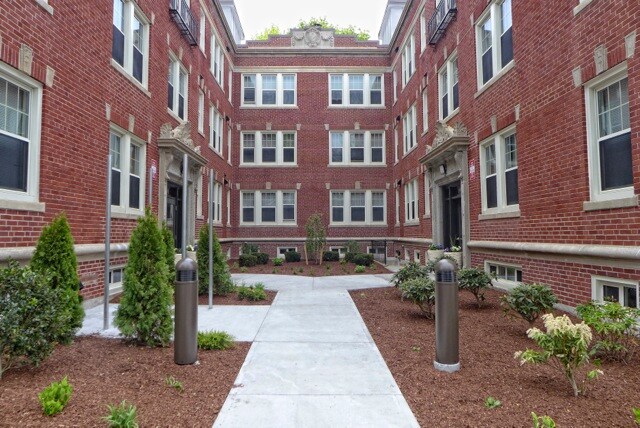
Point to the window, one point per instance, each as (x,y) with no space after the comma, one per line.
(504,272)
(365,207)
(427,196)
(127,172)
(411,201)
(397,207)
(203,31)
(408,60)
(425,112)
(364,90)
(342,251)
(216,129)
(423,31)
(115,277)
(416,256)
(494,41)
(199,197)
(217,61)
(277,148)
(622,291)
(130,42)
(269,90)
(217,202)
(269,207)
(178,89)
(201,112)
(395,86)
(609,136)
(20,115)
(364,148)
(409,127)
(448,87)
(283,250)
(499,170)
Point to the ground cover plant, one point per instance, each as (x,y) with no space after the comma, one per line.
(302,269)
(123,415)
(252,292)
(55,397)
(214,340)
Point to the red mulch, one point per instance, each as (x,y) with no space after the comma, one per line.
(302,269)
(107,371)
(488,341)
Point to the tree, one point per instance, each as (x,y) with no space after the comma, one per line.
(170,251)
(144,313)
(54,256)
(222,283)
(350,30)
(264,35)
(316,238)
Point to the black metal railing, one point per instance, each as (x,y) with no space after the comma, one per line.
(444,13)
(182,15)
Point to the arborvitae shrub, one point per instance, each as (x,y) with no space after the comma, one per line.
(170,251)
(222,283)
(144,313)
(54,256)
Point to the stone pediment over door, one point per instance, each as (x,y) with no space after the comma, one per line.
(448,141)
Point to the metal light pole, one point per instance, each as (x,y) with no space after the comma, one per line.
(107,247)
(211,174)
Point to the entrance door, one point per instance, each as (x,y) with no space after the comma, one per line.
(174,212)
(451,214)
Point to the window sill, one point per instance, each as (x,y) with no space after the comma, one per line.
(412,223)
(125,215)
(269,225)
(426,216)
(284,107)
(267,165)
(357,165)
(581,6)
(404,155)
(46,6)
(130,78)
(499,215)
(452,115)
(201,132)
(357,106)
(174,115)
(381,224)
(612,204)
(424,132)
(22,205)
(494,79)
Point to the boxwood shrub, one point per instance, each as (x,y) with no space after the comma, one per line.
(248,260)
(331,256)
(292,256)
(262,258)
(363,259)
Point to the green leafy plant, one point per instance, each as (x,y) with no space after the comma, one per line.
(253,293)
(249,248)
(244,269)
(331,256)
(278,262)
(363,259)
(54,255)
(214,340)
(316,238)
(636,414)
(616,328)
(30,318)
(352,247)
(564,345)
(474,280)
(248,260)
(55,397)
(123,415)
(174,383)
(409,271)
(422,292)
(169,244)
(435,247)
(262,258)
(292,256)
(529,301)
(145,310)
(492,403)
(360,269)
(222,283)
(542,421)
(350,30)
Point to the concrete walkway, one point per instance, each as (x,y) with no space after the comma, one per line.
(313,362)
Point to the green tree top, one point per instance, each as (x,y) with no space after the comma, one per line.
(322,22)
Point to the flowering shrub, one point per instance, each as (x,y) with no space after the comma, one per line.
(565,345)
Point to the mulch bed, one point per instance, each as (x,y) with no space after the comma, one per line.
(488,341)
(106,371)
(229,299)
(302,269)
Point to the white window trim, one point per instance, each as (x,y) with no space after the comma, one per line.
(493,11)
(346,149)
(395,85)
(217,203)
(216,123)
(368,208)
(501,282)
(366,98)
(408,59)
(203,31)
(581,5)
(497,139)
(597,282)
(425,111)
(257,156)
(341,250)
(596,194)
(257,207)
(397,207)
(200,197)
(427,196)
(29,200)
(116,286)
(216,64)
(201,112)
(279,91)
(177,68)
(131,9)
(126,139)
(449,66)
(423,31)
(280,255)
(409,144)
(411,190)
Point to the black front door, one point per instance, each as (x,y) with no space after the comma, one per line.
(451,214)
(174,212)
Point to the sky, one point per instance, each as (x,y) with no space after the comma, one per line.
(256,15)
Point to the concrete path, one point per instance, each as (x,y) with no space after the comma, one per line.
(313,362)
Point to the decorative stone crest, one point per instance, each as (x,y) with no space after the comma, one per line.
(181,133)
(312,37)
(444,132)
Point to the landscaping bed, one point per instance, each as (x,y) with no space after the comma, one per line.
(107,371)
(488,342)
(312,269)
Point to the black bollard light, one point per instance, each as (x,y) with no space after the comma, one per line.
(447,332)
(185,342)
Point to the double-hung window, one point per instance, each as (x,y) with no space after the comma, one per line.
(425,111)
(411,201)
(130,44)
(178,80)
(127,172)
(356,148)
(216,130)
(494,41)
(269,90)
(356,90)
(268,207)
(499,171)
(217,61)
(358,207)
(409,127)
(408,60)
(201,112)
(268,148)
(448,87)
(217,202)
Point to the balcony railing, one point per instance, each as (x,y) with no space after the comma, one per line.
(182,15)
(444,13)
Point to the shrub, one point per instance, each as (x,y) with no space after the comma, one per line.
(248,260)
(262,258)
(250,248)
(145,311)
(292,256)
(54,254)
(278,261)
(352,247)
(222,283)
(30,320)
(542,421)
(360,269)
(615,327)
(252,293)
(474,280)
(55,397)
(529,301)
(214,340)
(564,345)
(123,415)
(349,256)
(331,256)
(363,259)
(422,292)
(169,244)
(409,271)
(316,238)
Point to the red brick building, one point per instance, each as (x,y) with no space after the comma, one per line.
(510,128)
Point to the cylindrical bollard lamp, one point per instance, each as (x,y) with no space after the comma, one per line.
(447,334)
(185,341)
